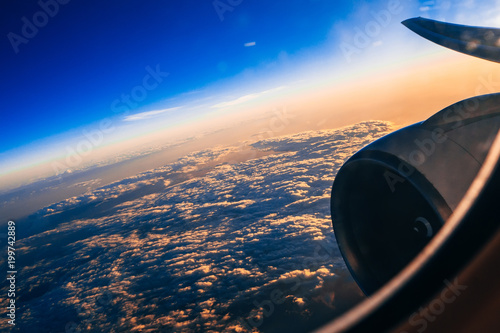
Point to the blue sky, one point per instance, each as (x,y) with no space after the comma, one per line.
(88,54)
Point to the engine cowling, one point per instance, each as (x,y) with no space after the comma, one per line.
(391,197)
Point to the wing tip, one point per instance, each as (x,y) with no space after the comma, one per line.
(470,40)
(412,22)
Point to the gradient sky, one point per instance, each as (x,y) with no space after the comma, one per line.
(91,53)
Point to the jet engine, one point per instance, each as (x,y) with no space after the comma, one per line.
(416,213)
(392,197)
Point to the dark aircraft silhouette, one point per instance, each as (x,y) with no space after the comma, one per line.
(416,214)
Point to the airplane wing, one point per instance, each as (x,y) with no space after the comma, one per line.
(475,41)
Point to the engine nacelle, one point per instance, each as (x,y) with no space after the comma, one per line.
(391,197)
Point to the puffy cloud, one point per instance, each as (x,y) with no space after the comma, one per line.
(198,245)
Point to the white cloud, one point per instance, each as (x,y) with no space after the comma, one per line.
(245,99)
(148,114)
(250,44)
(240,100)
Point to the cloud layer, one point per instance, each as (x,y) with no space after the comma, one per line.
(197,245)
